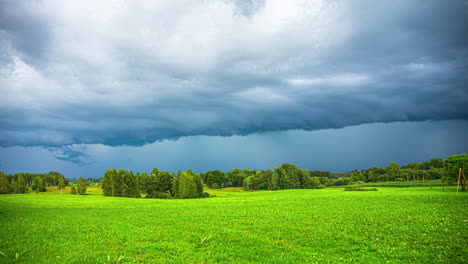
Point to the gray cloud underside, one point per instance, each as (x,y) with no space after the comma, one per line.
(117,73)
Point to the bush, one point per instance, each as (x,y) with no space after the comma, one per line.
(160,195)
(323,180)
(358,188)
(214,186)
(338,182)
(73,190)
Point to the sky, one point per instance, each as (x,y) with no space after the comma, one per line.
(220,84)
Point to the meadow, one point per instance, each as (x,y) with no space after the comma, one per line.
(392,225)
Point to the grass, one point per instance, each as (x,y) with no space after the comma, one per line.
(395,225)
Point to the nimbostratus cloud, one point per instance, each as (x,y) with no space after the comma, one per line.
(132,72)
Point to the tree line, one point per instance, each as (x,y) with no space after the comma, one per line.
(189,184)
(157,184)
(447,170)
(286,176)
(20,182)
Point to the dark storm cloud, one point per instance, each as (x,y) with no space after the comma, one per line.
(72,153)
(25,30)
(118,73)
(357,147)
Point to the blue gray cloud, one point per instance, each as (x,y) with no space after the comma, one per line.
(347,149)
(130,73)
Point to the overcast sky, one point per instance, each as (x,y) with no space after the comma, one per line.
(219,84)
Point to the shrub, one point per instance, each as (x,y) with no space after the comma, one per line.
(323,180)
(358,188)
(214,186)
(73,190)
(338,182)
(160,195)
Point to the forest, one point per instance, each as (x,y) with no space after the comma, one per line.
(189,184)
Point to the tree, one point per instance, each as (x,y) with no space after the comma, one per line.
(315,183)
(216,176)
(289,176)
(307,179)
(175,187)
(61,184)
(54,178)
(190,185)
(274,182)
(40,187)
(21,185)
(107,183)
(81,186)
(164,180)
(236,177)
(263,179)
(453,165)
(250,183)
(73,190)
(393,170)
(4,184)
(317,173)
(130,187)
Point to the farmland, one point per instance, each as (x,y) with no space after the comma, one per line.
(412,225)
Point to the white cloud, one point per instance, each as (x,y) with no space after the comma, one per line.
(262,95)
(345,79)
(428,67)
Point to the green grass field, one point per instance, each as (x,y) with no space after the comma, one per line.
(392,225)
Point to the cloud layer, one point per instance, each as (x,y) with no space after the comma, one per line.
(347,149)
(130,73)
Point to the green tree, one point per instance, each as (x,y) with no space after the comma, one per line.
(250,183)
(81,186)
(38,184)
(315,183)
(289,176)
(218,177)
(130,187)
(453,165)
(236,177)
(190,185)
(274,182)
(108,182)
(393,171)
(4,184)
(54,178)
(263,179)
(61,184)
(40,187)
(73,190)
(164,181)
(307,179)
(175,187)
(21,185)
